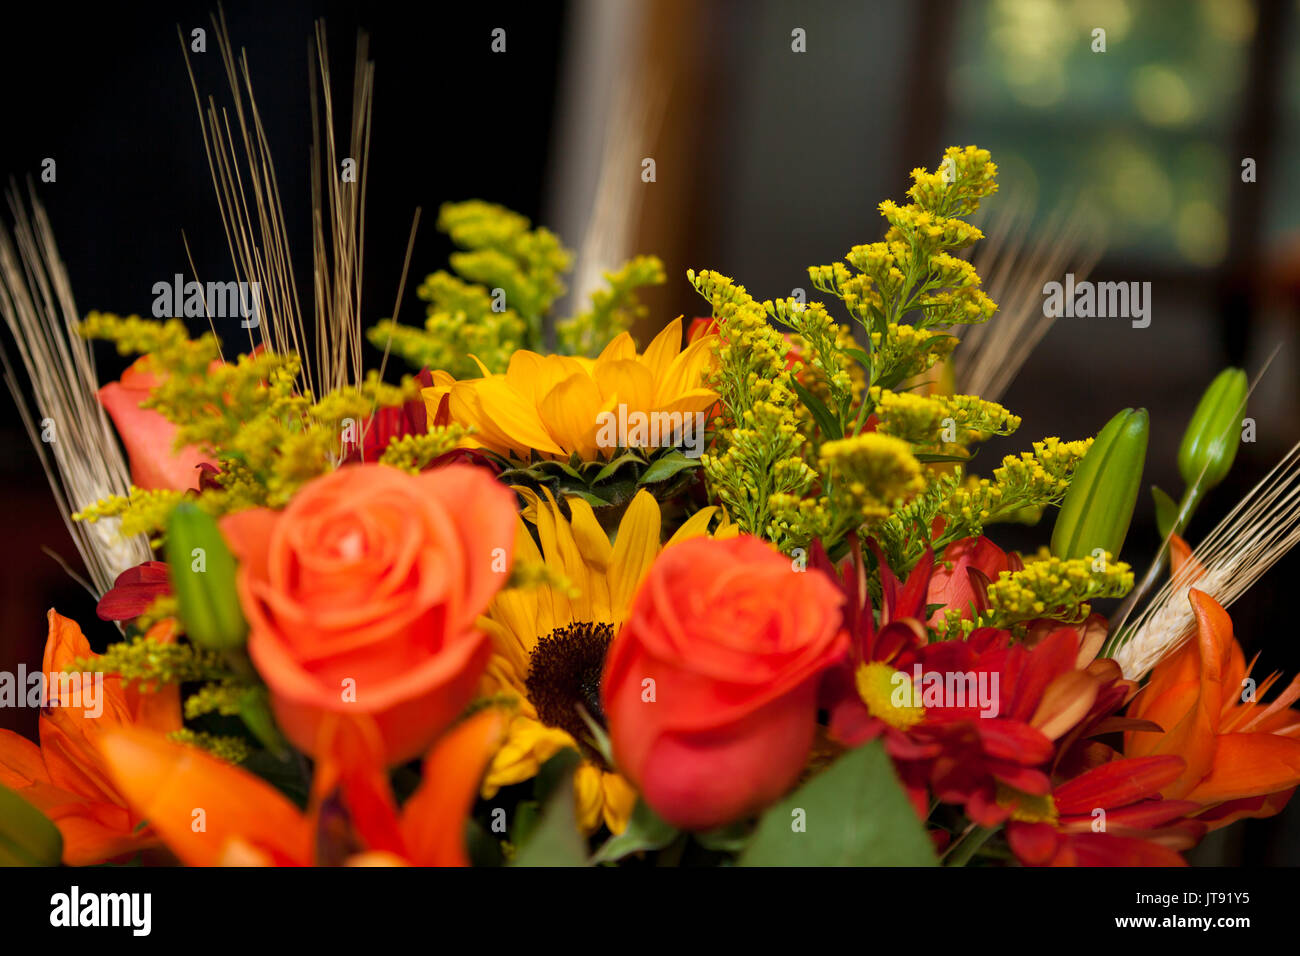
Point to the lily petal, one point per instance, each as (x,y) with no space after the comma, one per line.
(168,783)
(433,820)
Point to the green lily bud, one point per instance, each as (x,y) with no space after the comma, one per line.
(1098,507)
(1210,442)
(202,573)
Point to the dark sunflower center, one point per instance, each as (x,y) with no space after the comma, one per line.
(564,672)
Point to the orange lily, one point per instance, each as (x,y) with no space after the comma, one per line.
(352,817)
(1243,756)
(64,777)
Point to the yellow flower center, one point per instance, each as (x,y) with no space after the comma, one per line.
(1026,807)
(889,695)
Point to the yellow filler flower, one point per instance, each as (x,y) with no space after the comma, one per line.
(549,647)
(554,404)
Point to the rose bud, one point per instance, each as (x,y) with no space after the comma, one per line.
(710,688)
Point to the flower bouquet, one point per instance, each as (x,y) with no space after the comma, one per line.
(731,595)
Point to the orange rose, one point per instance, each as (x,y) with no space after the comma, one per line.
(710,689)
(362,595)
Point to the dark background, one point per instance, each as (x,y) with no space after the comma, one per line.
(103,90)
(769,161)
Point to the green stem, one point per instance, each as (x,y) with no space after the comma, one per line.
(961,852)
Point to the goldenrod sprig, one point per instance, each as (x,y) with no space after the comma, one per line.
(153,663)
(911,275)
(229,749)
(411,453)
(225,698)
(1055,588)
(757,471)
(940,424)
(1020,487)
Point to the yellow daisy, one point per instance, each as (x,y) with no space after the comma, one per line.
(555,404)
(549,648)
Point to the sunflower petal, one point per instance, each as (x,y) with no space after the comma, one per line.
(695,526)
(621,346)
(635,548)
(570,412)
(686,373)
(667,345)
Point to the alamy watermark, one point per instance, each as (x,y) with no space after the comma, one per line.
(639,429)
(84,690)
(1102,300)
(217,300)
(133,911)
(957,689)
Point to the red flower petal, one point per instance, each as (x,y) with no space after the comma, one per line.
(1104,849)
(133,591)
(1013,740)
(1034,844)
(1117,784)
(1024,779)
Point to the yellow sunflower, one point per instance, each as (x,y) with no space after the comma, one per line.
(555,404)
(549,648)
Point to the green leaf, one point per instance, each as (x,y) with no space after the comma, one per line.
(484,849)
(829,426)
(596,501)
(27,837)
(926,457)
(645,831)
(860,356)
(516,475)
(855,813)
(599,738)
(255,711)
(1166,511)
(527,813)
(555,840)
(914,386)
(729,839)
(548,470)
(615,465)
(665,466)
(890,381)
